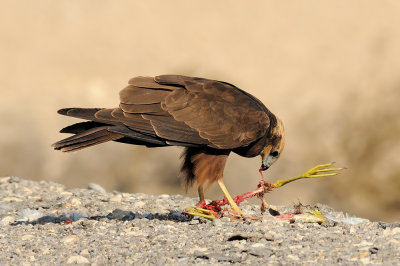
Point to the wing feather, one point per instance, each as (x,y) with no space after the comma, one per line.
(147,83)
(138,95)
(167,127)
(152,108)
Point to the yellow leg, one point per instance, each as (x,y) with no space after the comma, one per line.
(234,207)
(196,211)
(317,171)
(201,193)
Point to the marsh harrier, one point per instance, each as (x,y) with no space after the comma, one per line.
(209,118)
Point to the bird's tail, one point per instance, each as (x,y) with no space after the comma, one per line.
(85,138)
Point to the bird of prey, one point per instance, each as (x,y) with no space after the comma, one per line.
(209,118)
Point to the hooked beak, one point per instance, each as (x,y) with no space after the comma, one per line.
(264,167)
(265,164)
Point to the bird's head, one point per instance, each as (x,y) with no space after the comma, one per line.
(274,146)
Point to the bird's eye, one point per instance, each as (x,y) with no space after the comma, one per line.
(274,153)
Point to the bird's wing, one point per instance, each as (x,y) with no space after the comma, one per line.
(193,110)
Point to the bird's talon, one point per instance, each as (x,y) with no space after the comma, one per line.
(329,169)
(321,171)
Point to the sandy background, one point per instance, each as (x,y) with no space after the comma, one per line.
(328,69)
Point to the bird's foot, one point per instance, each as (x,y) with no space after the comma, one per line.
(197,211)
(209,211)
(321,170)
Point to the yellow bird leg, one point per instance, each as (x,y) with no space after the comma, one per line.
(317,171)
(201,193)
(234,207)
(197,211)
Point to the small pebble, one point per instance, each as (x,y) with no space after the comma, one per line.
(138,204)
(96,187)
(217,222)
(84,252)
(27,237)
(293,257)
(11,199)
(7,220)
(70,239)
(258,245)
(116,198)
(396,230)
(75,202)
(77,260)
(194,221)
(5,206)
(29,215)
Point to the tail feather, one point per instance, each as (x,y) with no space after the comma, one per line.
(85,144)
(84,136)
(81,127)
(84,113)
(86,139)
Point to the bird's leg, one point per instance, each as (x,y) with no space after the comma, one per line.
(318,171)
(201,196)
(228,197)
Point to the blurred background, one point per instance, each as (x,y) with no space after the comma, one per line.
(329,69)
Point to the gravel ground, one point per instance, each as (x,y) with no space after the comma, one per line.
(44,223)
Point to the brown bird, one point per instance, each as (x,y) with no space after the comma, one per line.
(209,118)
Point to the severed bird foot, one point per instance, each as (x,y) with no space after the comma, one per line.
(321,170)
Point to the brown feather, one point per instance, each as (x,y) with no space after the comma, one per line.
(138,123)
(138,95)
(148,82)
(85,139)
(106,115)
(81,127)
(203,165)
(136,135)
(91,142)
(168,128)
(84,113)
(152,108)
(170,80)
(86,135)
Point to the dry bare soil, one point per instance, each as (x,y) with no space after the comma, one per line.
(44,223)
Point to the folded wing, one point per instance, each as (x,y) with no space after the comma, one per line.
(172,110)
